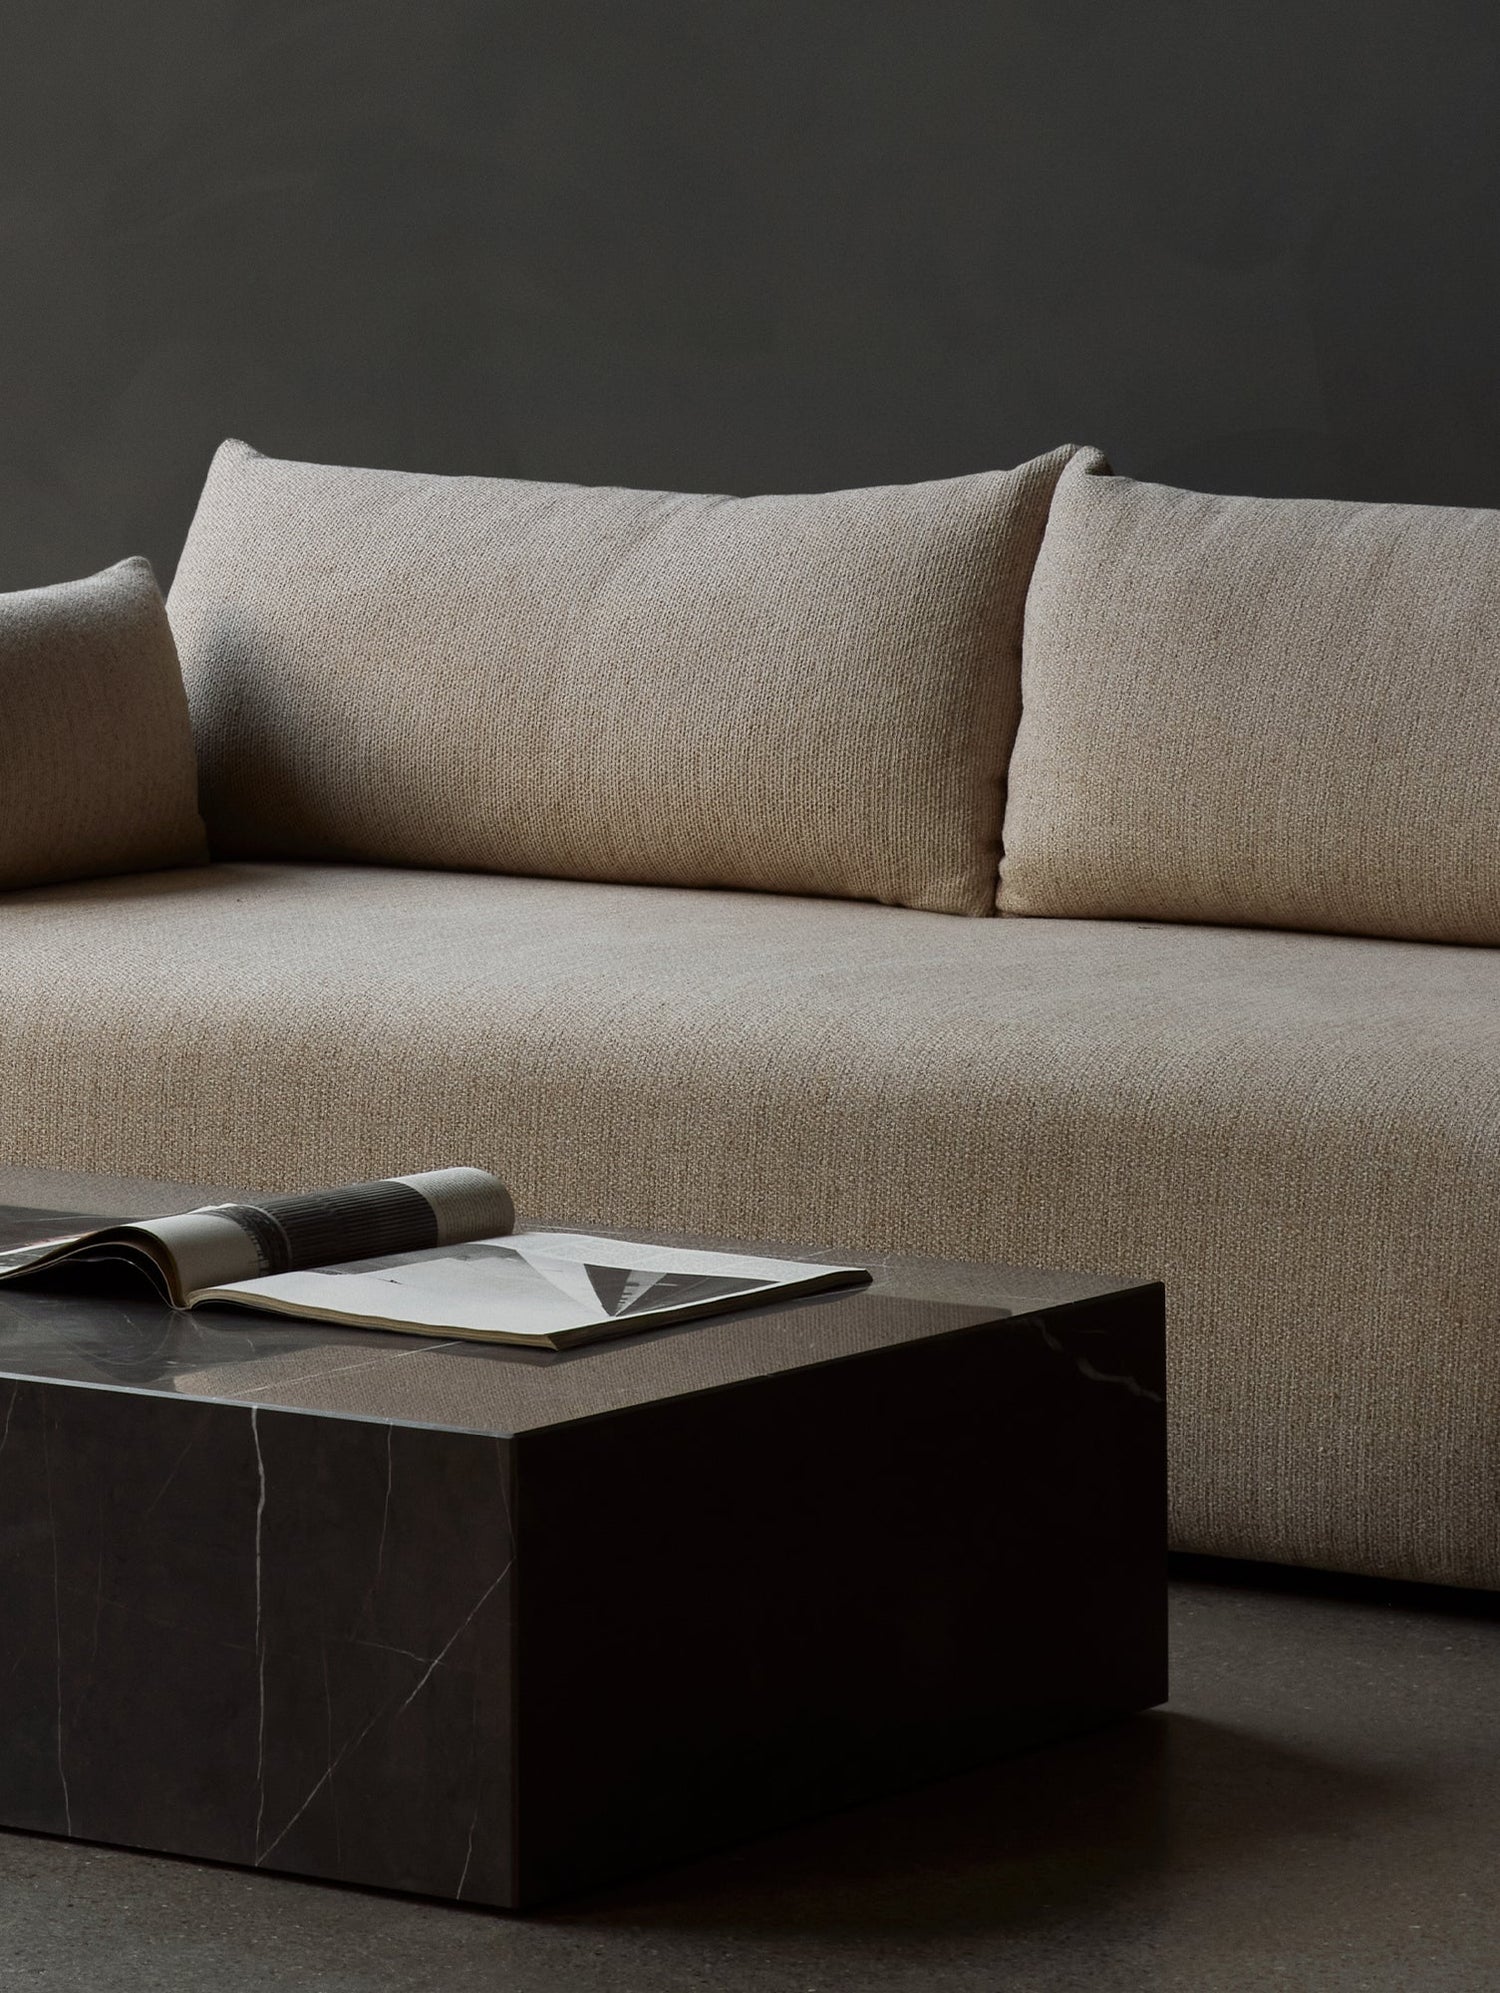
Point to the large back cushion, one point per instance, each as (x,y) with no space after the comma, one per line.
(1279,712)
(804,694)
(96,757)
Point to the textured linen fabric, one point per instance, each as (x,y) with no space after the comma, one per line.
(804,694)
(96,756)
(1299,1133)
(1279,711)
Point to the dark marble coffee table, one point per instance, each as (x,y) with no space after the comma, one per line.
(497,1625)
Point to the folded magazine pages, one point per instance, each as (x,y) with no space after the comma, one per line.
(431,1254)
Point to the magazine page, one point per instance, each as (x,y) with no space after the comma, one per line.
(49,1243)
(221,1243)
(131,1245)
(547,1287)
(400,1214)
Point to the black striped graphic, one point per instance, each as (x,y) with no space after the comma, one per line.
(292,1234)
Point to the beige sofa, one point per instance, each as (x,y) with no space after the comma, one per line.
(645,848)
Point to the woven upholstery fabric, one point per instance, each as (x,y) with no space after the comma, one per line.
(1279,711)
(1298,1133)
(806,694)
(96,756)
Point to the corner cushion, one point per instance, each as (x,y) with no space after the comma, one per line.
(97,773)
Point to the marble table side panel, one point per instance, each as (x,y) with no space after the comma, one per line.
(834,1581)
(257,1637)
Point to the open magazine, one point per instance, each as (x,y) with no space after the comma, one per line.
(432,1254)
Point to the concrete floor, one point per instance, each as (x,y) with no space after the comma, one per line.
(1318,1807)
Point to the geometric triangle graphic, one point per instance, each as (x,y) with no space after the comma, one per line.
(668,1290)
(609,1283)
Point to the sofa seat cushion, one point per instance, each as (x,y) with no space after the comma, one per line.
(1283,711)
(810,694)
(1298,1133)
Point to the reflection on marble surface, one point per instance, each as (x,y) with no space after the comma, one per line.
(67,1329)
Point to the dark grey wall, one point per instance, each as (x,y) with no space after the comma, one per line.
(740,245)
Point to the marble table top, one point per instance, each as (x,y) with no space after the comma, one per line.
(136,1343)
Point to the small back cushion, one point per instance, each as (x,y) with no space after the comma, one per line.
(1275,712)
(96,756)
(806,694)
